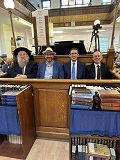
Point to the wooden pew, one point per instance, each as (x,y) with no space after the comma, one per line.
(52,104)
(87,58)
(3,75)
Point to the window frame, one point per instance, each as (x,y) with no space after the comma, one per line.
(45,7)
(105,44)
(106,2)
(75,5)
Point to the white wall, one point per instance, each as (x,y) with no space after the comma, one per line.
(5,39)
(87,39)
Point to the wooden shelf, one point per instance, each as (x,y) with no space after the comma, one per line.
(83,139)
(94,136)
(27,125)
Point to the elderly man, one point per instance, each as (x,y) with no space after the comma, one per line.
(50,68)
(97,70)
(74,69)
(22,66)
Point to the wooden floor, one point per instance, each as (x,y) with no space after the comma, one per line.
(44,149)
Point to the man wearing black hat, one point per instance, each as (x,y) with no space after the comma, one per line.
(23,66)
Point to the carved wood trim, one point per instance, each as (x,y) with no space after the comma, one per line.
(82,15)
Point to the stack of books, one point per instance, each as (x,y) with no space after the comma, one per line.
(92,151)
(82,98)
(9,98)
(8,104)
(110,99)
(98,151)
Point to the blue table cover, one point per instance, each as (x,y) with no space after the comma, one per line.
(103,123)
(9,121)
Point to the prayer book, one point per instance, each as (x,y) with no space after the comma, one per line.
(98,150)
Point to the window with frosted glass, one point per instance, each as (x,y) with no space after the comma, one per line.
(65,2)
(78,1)
(71,2)
(46,4)
(104,44)
(86,2)
(74,3)
(106,2)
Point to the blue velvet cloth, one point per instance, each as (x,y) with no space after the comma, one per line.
(9,121)
(103,123)
(77,106)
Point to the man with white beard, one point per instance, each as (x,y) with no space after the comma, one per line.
(22,66)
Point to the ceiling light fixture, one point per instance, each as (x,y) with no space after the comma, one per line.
(24,22)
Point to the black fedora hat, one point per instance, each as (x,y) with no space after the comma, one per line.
(3,56)
(15,52)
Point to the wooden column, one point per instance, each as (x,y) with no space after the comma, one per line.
(35,34)
(118,150)
(110,58)
(47,31)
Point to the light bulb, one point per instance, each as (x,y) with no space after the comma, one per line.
(9,4)
(96,22)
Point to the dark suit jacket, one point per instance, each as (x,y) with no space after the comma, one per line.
(30,71)
(80,70)
(3,62)
(90,71)
(4,67)
(57,70)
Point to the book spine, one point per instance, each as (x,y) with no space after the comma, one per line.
(73,152)
(112,154)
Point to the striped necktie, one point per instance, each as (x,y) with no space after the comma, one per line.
(73,71)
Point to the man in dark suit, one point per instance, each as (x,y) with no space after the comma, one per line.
(4,58)
(6,65)
(97,67)
(22,66)
(79,67)
(50,68)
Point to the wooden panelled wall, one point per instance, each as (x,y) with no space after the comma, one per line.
(82,16)
(87,58)
(64,58)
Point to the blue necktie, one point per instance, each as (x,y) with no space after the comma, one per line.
(73,71)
